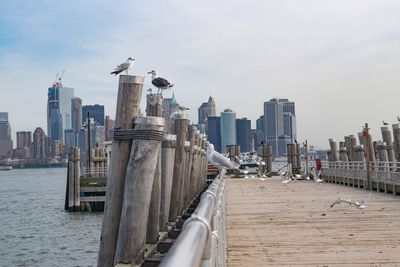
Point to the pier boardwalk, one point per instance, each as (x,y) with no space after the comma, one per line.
(269,224)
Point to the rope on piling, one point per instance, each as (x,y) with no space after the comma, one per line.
(142,134)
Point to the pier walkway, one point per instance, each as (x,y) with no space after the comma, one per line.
(269,224)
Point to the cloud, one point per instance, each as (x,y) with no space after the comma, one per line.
(337,60)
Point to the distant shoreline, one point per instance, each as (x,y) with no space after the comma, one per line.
(40,166)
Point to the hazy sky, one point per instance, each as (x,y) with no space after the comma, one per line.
(338,60)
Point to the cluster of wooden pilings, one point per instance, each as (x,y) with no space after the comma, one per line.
(99,165)
(73,188)
(153,176)
(265,152)
(293,158)
(387,149)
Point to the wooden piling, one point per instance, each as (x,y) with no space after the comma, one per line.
(148,133)
(77,180)
(180,122)
(359,153)
(333,146)
(190,173)
(387,138)
(342,152)
(396,140)
(71,179)
(154,108)
(167,169)
(128,106)
(298,158)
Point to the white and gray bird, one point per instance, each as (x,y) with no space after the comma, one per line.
(218,160)
(124,66)
(159,82)
(182,108)
(361,205)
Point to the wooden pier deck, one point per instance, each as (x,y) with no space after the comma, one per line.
(269,224)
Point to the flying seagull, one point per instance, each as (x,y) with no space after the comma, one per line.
(124,66)
(159,82)
(219,160)
(361,205)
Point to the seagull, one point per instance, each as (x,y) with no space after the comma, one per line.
(219,160)
(159,82)
(124,66)
(150,90)
(182,108)
(398,118)
(361,205)
(385,123)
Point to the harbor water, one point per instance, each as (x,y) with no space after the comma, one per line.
(34,228)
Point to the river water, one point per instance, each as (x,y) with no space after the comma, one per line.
(34,228)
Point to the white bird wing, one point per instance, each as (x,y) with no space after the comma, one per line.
(220,160)
(123,66)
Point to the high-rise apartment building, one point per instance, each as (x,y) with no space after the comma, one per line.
(96,112)
(243,134)
(228,129)
(39,144)
(214,132)
(6,144)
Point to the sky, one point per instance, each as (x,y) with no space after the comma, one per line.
(338,60)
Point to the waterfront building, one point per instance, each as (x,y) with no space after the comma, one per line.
(228,129)
(39,144)
(96,112)
(6,143)
(71,139)
(76,114)
(289,126)
(214,132)
(24,139)
(243,134)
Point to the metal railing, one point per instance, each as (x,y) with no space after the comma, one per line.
(202,241)
(380,170)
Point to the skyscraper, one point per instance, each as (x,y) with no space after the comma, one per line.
(24,139)
(76,114)
(169,106)
(280,124)
(6,144)
(39,144)
(214,132)
(206,109)
(243,134)
(58,110)
(96,112)
(228,129)
(109,125)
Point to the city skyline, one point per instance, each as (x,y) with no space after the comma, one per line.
(333,59)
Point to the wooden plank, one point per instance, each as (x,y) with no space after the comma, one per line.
(93,189)
(269,224)
(93,199)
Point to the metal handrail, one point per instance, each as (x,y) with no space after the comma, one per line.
(202,240)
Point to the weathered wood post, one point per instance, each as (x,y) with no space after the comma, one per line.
(298,157)
(128,104)
(154,108)
(306,158)
(383,155)
(342,152)
(192,160)
(396,140)
(181,123)
(167,168)
(368,155)
(290,158)
(333,146)
(77,179)
(70,181)
(185,179)
(359,153)
(387,138)
(203,175)
(147,136)
(376,152)
(361,138)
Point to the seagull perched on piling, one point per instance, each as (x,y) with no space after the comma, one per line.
(361,205)
(124,66)
(385,123)
(219,160)
(159,82)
